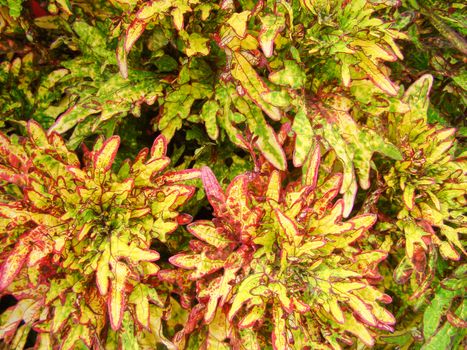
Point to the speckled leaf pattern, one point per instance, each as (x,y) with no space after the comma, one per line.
(232,175)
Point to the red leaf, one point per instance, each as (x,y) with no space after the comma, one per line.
(455,320)
(213,190)
(37,10)
(312,162)
(184,219)
(177,176)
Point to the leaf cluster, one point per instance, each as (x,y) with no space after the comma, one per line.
(275,174)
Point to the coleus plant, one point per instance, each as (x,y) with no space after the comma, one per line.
(244,45)
(427,187)
(357,41)
(218,79)
(444,324)
(441,325)
(77,240)
(98,97)
(278,265)
(239,68)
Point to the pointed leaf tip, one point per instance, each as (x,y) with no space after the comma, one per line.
(212,188)
(104,158)
(159,147)
(37,133)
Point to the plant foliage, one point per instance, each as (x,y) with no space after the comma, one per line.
(318,146)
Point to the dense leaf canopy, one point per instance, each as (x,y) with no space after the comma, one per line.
(273,174)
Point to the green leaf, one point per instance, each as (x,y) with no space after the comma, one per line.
(417,98)
(15,7)
(127,334)
(267,140)
(436,310)
(271,26)
(197,44)
(209,115)
(292,75)
(304,135)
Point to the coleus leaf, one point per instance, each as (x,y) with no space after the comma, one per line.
(267,140)
(238,22)
(214,192)
(376,76)
(208,114)
(117,297)
(103,159)
(449,333)
(197,44)
(207,232)
(200,263)
(297,226)
(128,338)
(279,333)
(420,178)
(246,286)
(292,75)
(91,245)
(13,264)
(126,95)
(20,255)
(254,86)
(355,146)
(302,128)
(272,25)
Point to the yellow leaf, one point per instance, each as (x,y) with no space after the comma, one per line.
(104,158)
(288,228)
(37,134)
(138,297)
(238,22)
(409,196)
(279,339)
(207,232)
(362,309)
(13,264)
(244,293)
(336,311)
(116,301)
(353,326)
(103,272)
(252,83)
(376,76)
(448,252)
(252,316)
(274,186)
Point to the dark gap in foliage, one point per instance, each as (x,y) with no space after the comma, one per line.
(7,301)
(228,161)
(163,251)
(135,134)
(31,339)
(205,213)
